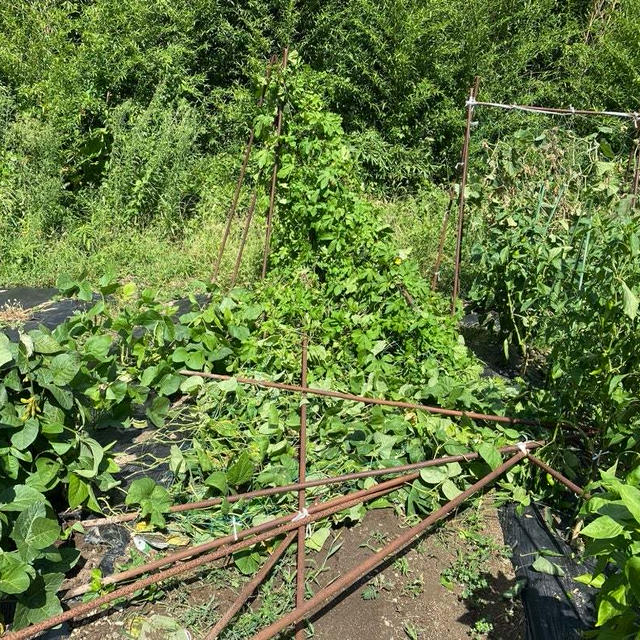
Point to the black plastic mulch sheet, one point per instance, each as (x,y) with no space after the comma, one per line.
(556,607)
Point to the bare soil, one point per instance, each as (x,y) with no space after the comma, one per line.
(403,600)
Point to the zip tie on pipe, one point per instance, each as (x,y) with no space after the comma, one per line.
(301,515)
(522,446)
(471,100)
(573,111)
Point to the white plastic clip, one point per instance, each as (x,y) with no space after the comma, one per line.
(572,109)
(234,524)
(471,100)
(522,446)
(301,515)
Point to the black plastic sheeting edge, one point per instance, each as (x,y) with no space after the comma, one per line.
(555,607)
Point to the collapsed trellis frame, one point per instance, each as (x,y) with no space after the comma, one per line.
(471,103)
(294,525)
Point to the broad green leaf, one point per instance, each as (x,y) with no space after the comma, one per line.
(247,561)
(140,489)
(169,384)
(542,565)
(632,571)
(64,368)
(191,383)
(316,540)
(228,385)
(23,438)
(433,475)
(218,480)
(158,410)
(33,529)
(612,604)
(5,352)
(40,601)
(490,455)
(44,342)
(591,580)
(15,574)
(450,490)
(98,346)
(241,471)
(603,527)
(19,497)
(77,491)
(631,499)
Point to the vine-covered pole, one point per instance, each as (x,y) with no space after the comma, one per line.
(274,177)
(362,569)
(243,170)
(302,506)
(461,195)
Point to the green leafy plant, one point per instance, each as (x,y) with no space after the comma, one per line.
(613,539)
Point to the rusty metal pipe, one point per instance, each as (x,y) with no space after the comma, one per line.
(320,482)
(461,197)
(443,236)
(358,572)
(323,512)
(243,170)
(274,178)
(250,587)
(302,476)
(365,400)
(245,234)
(558,476)
(238,535)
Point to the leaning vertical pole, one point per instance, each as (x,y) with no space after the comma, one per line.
(274,177)
(461,195)
(443,236)
(636,163)
(245,234)
(243,170)
(302,509)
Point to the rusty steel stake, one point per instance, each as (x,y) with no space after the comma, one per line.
(461,196)
(243,170)
(274,177)
(245,233)
(320,482)
(351,577)
(558,476)
(250,587)
(302,506)
(636,160)
(443,236)
(82,609)
(365,400)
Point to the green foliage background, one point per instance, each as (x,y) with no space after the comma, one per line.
(122,123)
